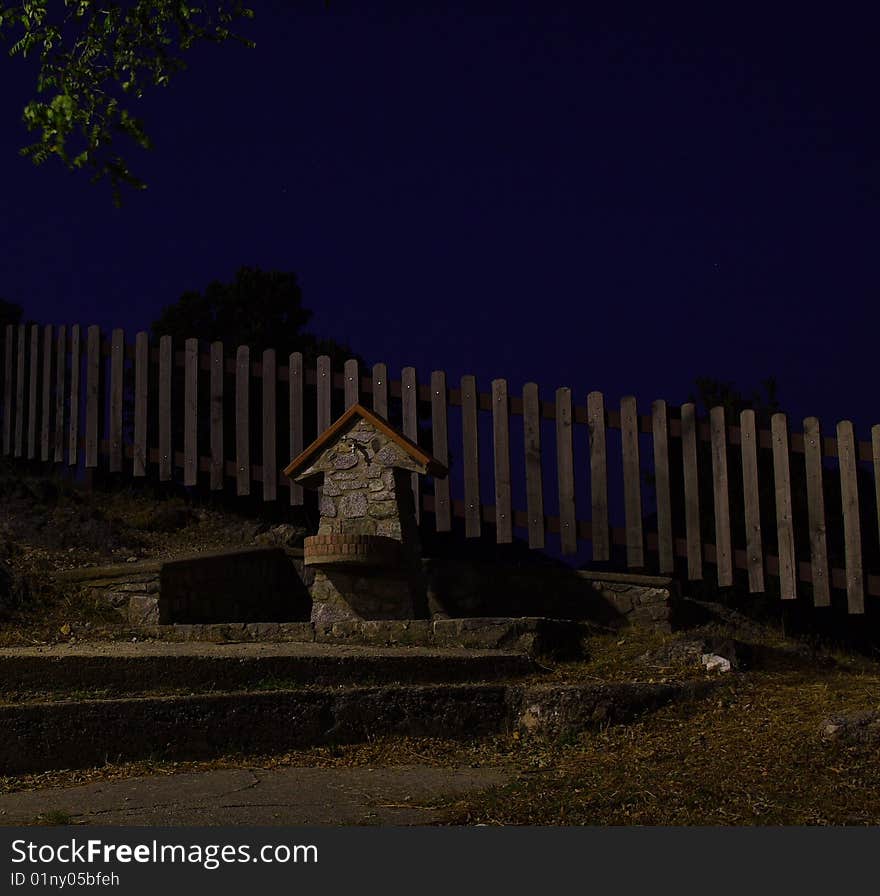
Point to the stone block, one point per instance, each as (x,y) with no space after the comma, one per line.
(143,610)
(352,506)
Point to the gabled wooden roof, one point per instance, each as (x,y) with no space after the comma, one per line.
(432,465)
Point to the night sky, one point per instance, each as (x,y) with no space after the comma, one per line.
(540,191)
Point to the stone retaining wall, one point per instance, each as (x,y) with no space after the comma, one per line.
(464,588)
(271,585)
(260,584)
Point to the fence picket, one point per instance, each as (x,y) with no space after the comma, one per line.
(215,397)
(93,383)
(32,392)
(190,412)
(751,500)
(501,447)
(470,456)
(242,420)
(380,390)
(7,389)
(534,475)
(60,374)
(117,367)
(663,491)
(295,399)
(852,536)
(784,524)
(691,491)
(166,459)
(440,447)
(352,375)
(325,381)
(46,404)
(409,399)
(141,399)
(270,459)
(721,495)
(19,393)
(75,365)
(875,453)
(598,477)
(565,471)
(816,512)
(632,492)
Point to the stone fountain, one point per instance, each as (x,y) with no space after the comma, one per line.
(366,554)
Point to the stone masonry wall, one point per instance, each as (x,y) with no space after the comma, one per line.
(361,494)
(249,585)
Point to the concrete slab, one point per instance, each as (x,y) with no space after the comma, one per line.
(400,795)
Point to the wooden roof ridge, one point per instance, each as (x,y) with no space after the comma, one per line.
(434,467)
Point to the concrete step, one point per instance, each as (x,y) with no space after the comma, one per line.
(80,733)
(535,635)
(126,669)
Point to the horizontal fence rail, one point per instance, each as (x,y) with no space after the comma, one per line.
(727,492)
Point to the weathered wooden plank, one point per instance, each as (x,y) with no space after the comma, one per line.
(501,446)
(721,495)
(215,388)
(325,382)
(19,392)
(60,381)
(440,448)
(46,405)
(816,512)
(351,376)
(852,534)
(565,471)
(751,500)
(242,420)
(691,491)
(8,351)
(141,399)
(32,392)
(875,453)
(598,477)
(117,367)
(632,490)
(270,458)
(93,385)
(190,411)
(380,390)
(410,401)
(295,397)
(784,522)
(662,489)
(75,365)
(470,456)
(534,474)
(166,459)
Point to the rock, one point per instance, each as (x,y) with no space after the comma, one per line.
(353,506)
(284,535)
(853,728)
(713,663)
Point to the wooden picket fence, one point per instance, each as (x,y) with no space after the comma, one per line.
(44,388)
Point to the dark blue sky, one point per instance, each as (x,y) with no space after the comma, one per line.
(614,201)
